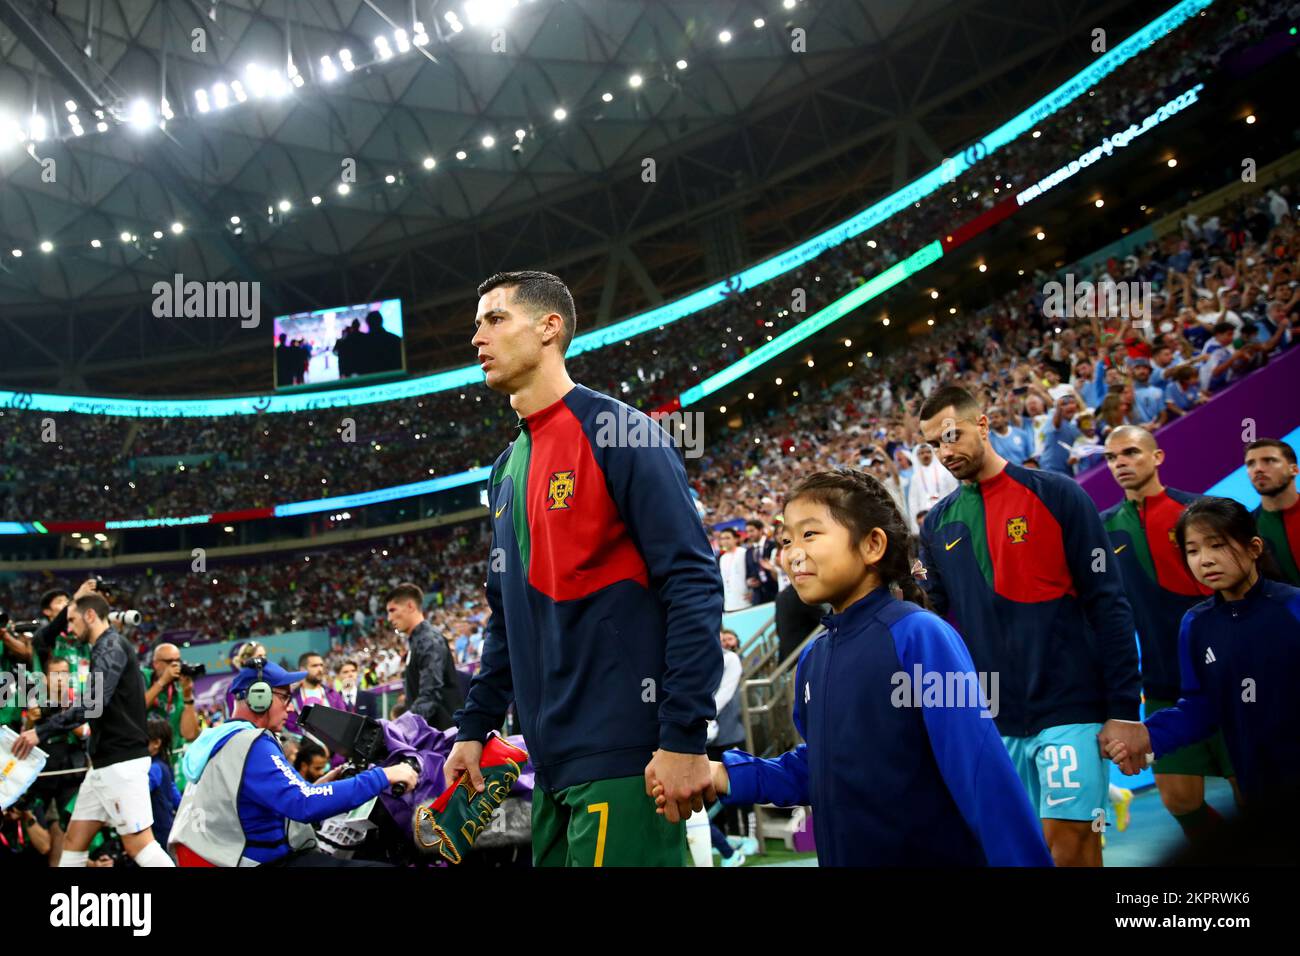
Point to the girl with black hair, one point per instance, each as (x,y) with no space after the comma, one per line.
(903,765)
(1239,656)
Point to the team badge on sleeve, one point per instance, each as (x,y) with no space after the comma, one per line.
(560,490)
(1017,528)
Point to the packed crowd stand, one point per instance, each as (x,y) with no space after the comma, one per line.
(181,466)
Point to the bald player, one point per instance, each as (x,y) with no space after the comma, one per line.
(1160,590)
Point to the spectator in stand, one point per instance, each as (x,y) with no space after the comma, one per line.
(738,567)
(355,699)
(1012,443)
(1148,399)
(763,546)
(931,482)
(1061,432)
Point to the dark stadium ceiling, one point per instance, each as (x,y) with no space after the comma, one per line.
(900,82)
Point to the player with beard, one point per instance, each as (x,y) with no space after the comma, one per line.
(1018,558)
(1161,589)
(1271,466)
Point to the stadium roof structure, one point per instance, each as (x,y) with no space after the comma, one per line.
(211,139)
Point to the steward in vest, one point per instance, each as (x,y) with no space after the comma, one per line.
(245,805)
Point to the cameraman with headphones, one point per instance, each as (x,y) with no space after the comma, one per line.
(245,805)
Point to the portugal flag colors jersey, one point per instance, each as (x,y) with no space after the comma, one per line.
(1281,532)
(1159,586)
(605,596)
(1023,566)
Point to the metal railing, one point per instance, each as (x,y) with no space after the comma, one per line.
(767,702)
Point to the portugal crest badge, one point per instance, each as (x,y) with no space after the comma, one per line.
(1017,528)
(560,490)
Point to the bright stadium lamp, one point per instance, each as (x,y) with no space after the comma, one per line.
(328,71)
(221,96)
(141,115)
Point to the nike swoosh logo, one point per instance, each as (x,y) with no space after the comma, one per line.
(1053,803)
(501,509)
(949,547)
(1120,548)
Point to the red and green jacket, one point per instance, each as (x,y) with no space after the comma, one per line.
(1159,586)
(1281,532)
(1022,564)
(605,596)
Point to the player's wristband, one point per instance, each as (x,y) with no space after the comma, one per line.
(450,824)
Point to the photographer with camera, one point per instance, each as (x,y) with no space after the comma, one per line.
(53,641)
(24,843)
(164,700)
(116,789)
(245,805)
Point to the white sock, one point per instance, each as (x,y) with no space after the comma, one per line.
(153,855)
(74,858)
(1116,794)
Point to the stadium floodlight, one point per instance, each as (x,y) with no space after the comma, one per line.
(759,23)
(257,82)
(402,40)
(488,141)
(142,115)
(461,154)
(315,200)
(607,97)
(421,38)
(18,253)
(234,220)
(221,95)
(47,246)
(488,13)
(177,228)
(1099,203)
(382,48)
(788,4)
(284,205)
(344,189)
(390,179)
(294,75)
(430,162)
(95,243)
(560,113)
(125,237)
(71,105)
(724,36)
(1250,120)
(634,80)
(345,57)
(1172,162)
(681,64)
(328,71)
(278,85)
(520,134)
(238,89)
(166,109)
(36,129)
(201,101)
(157,234)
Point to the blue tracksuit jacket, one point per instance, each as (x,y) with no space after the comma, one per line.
(893,783)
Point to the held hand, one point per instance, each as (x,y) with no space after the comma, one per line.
(464,758)
(685,779)
(402,773)
(1126,741)
(88,586)
(717,772)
